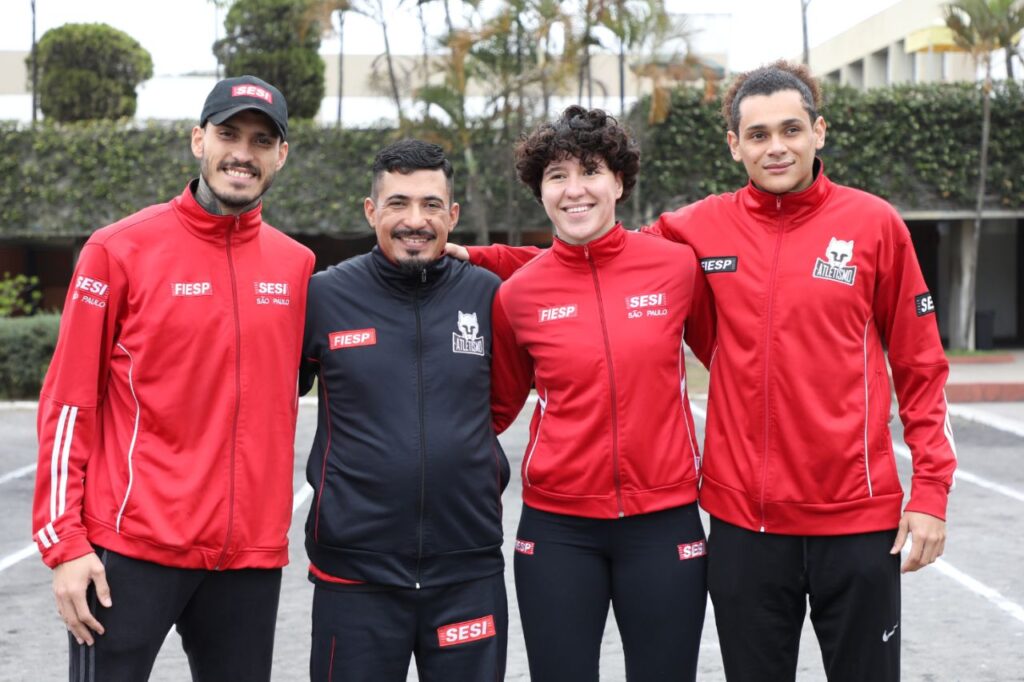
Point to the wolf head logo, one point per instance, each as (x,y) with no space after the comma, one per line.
(468,325)
(839,252)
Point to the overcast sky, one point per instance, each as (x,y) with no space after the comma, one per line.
(179,33)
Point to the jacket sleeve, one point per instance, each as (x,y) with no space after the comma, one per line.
(701,334)
(511,370)
(501,259)
(905,316)
(309,366)
(671,226)
(69,404)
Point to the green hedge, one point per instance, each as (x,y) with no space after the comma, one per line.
(28,344)
(915,145)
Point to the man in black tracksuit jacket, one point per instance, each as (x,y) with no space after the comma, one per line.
(404,531)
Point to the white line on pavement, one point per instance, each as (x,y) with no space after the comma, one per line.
(988,419)
(980,589)
(961,475)
(17,473)
(21,554)
(301,495)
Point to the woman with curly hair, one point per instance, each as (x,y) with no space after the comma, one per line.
(597,323)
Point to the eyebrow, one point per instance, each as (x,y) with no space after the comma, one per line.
(765,126)
(406,197)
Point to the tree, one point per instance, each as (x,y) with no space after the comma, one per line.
(803,18)
(279,41)
(978,27)
(1010,20)
(88,71)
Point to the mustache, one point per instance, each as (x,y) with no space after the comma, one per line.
(403,232)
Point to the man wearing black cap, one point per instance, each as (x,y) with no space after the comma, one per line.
(167,417)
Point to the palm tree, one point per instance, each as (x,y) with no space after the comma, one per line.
(977,26)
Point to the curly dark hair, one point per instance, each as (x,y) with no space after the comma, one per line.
(590,135)
(767,80)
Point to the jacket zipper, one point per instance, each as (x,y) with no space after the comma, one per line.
(423,433)
(611,384)
(767,357)
(238,397)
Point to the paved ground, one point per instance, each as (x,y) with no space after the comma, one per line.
(962,619)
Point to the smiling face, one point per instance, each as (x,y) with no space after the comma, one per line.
(777,141)
(412,215)
(239,158)
(580,200)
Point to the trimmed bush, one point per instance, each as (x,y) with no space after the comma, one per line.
(89,71)
(279,41)
(28,344)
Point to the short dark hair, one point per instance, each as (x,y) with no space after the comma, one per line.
(409,155)
(590,135)
(767,80)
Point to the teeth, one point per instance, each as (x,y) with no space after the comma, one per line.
(577,209)
(238,173)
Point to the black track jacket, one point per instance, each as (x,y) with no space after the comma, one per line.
(406,469)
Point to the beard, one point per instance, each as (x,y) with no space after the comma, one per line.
(413,264)
(236,201)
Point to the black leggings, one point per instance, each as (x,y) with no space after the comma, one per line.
(226,620)
(650,567)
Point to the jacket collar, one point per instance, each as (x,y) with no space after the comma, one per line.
(794,207)
(215,228)
(598,251)
(395,277)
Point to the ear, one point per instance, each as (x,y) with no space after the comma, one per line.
(282,155)
(618,185)
(734,145)
(197,142)
(453,213)
(370,211)
(819,132)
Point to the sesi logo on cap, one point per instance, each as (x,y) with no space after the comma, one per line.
(252,91)
(466,631)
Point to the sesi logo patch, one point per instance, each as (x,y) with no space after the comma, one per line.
(191,289)
(646,305)
(716,264)
(466,631)
(924,304)
(524,546)
(352,338)
(271,288)
(560,312)
(271,293)
(92,287)
(692,550)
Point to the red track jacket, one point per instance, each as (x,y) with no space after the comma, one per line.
(809,287)
(600,330)
(167,417)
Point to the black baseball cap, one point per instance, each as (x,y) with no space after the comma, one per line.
(233,95)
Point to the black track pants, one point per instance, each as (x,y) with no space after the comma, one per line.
(760,584)
(650,567)
(366,633)
(226,620)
